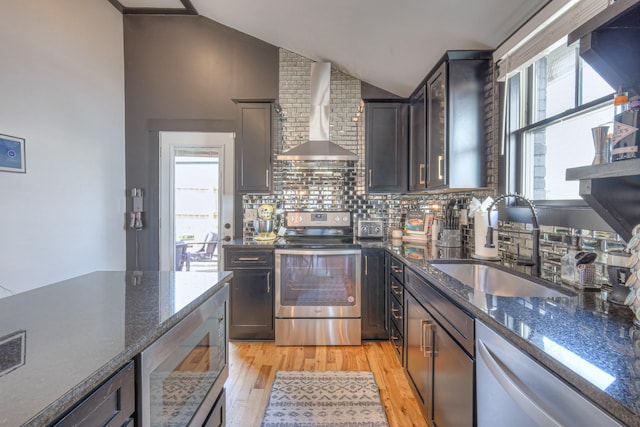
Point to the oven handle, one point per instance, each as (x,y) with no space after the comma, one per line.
(318,252)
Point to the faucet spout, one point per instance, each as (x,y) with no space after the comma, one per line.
(534,261)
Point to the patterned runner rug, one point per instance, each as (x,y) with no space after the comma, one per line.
(327,399)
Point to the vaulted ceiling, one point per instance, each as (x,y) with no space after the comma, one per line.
(391,44)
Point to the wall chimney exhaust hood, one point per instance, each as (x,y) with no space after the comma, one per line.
(319,147)
(609,42)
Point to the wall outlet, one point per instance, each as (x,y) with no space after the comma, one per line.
(250,214)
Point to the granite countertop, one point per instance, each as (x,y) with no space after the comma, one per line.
(590,343)
(80,331)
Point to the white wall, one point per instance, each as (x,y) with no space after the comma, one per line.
(62,89)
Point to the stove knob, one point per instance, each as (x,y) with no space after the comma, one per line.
(300,218)
(377,230)
(363,229)
(337,219)
(345,219)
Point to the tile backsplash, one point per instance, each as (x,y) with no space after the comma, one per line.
(339,185)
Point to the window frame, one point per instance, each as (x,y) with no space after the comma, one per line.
(574,213)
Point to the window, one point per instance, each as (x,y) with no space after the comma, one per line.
(554,103)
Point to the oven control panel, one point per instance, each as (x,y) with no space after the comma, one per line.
(319,219)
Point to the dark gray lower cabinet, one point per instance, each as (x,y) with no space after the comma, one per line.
(374,295)
(110,405)
(251,295)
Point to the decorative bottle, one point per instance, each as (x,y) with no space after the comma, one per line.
(624,144)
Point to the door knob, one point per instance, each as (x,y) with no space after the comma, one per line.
(227,238)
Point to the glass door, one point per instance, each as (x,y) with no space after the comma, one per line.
(318,283)
(196,199)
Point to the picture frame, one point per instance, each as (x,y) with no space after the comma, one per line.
(12,154)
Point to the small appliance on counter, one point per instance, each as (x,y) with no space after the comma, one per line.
(369,229)
(265,225)
(618,276)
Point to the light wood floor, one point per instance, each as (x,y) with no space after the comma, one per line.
(253,366)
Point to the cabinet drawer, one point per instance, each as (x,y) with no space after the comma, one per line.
(397,341)
(248,259)
(396,289)
(396,269)
(111,404)
(396,314)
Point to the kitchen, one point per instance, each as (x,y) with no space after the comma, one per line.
(150,106)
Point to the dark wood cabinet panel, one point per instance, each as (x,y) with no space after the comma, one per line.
(395,303)
(110,405)
(418,142)
(253,147)
(386,147)
(455,127)
(251,299)
(374,295)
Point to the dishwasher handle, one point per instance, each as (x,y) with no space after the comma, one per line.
(518,392)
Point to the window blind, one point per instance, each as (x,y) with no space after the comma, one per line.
(550,25)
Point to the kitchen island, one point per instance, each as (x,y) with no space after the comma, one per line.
(79,332)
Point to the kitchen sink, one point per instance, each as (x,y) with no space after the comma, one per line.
(492,280)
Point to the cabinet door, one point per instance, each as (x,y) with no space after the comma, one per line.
(418,142)
(419,342)
(452,382)
(253,148)
(436,129)
(251,305)
(386,147)
(374,295)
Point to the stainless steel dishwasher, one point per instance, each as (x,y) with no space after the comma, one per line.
(514,390)
(439,354)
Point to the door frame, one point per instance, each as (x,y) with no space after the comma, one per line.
(157,127)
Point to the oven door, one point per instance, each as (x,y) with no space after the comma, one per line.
(318,283)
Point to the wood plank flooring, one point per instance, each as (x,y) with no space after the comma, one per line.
(252,368)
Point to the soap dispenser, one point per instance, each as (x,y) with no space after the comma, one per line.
(568,262)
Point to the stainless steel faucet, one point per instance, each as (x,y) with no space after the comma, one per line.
(534,261)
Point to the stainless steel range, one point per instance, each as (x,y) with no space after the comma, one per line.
(317,273)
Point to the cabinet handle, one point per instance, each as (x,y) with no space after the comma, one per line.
(396,269)
(369,177)
(249,259)
(396,290)
(267,177)
(427,338)
(393,313)
(268,282)
(440,166)
(366,265)
(422,174)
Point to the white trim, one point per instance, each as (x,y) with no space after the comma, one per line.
(549,26)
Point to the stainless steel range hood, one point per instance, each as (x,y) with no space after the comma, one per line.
(319,147)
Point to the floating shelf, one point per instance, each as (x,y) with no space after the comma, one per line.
(613,191)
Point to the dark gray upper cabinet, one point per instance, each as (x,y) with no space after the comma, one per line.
(455,131)
(418,141)
(253,147)
(386,147)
